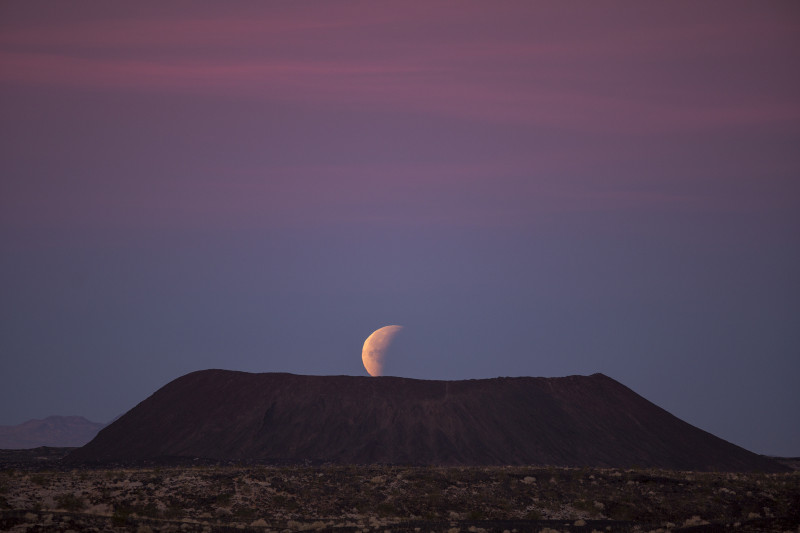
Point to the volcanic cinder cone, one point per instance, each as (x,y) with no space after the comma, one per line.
(570,421)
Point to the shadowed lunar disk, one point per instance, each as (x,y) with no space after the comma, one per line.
(377,347)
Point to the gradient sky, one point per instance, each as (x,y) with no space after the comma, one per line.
(536,189)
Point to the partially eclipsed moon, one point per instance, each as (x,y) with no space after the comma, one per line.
(375,347)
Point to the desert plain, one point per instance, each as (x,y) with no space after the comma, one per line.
(40,493)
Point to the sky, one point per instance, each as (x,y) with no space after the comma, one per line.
(529,188)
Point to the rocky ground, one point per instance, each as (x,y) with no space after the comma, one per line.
(38,493)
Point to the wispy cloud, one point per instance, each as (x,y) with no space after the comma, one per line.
(634,80)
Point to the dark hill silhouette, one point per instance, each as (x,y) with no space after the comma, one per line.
(569,421)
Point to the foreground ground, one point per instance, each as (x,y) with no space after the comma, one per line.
(47,496)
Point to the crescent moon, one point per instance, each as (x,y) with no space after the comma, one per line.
(373,354)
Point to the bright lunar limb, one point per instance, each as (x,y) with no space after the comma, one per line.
(375,348)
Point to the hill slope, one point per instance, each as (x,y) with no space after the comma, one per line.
(569,421)
(56,431)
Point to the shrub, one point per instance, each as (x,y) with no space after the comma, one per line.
(120,516)
(475,514)
(150,510)
(70,502)
(386,509)
(224,499)
(173,512)
(533,514)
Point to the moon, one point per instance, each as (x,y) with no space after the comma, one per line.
(375,348)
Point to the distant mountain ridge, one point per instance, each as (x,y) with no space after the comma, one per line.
(55,431)
(570,421)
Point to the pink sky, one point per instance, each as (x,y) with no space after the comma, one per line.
(583,69)
(593,72)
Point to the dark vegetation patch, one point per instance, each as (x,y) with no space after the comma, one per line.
(349,498)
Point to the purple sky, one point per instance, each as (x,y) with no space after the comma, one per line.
(529,188)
